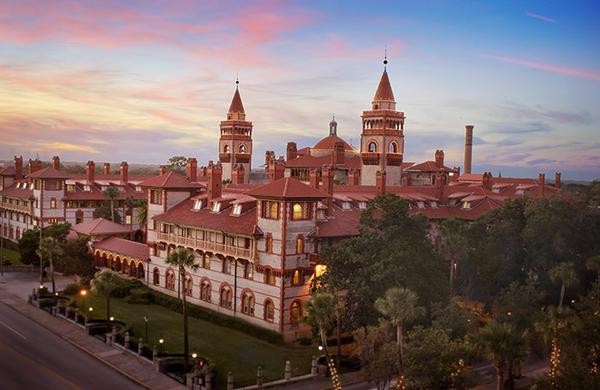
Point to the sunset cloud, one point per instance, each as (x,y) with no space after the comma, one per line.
(540,17)
(589,74)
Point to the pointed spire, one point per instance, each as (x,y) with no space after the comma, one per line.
(236,103)
(384,89)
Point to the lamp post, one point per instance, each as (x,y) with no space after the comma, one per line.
(161,341)
(40,225)
(83,293)
(146,320)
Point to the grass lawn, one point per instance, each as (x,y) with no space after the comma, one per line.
(13,256)
(229,349)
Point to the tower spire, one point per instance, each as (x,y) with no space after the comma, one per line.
(385,61)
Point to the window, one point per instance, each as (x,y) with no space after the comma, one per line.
(170,280)
(205,290)
(269,243)
(297,211)
(393,148)
(228,264)
(242,149)
(295,312)
(225,297)
(216,207)
(248,268)
(270,210)
(346,206)
(52,203)
(206,261)
(297,279)
(197,204)
(269,310)
(269,276)
(248,303)
(299,245)
(155,196)
(187,285)
(156,276)
(237,209)
(127,219)
(372,148)
(226,149)
(466,205)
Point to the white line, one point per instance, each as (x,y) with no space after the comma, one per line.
(17,332)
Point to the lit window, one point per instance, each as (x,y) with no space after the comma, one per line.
(297,211)
(299,245)
(237,209)
(206,261)
(197,204)
(128,219)
(320,269)
(216,207)
(269,244)
(52,203)
(274,210)
(297,278)
(466,205)
(269,276)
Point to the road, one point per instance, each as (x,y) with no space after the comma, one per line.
(31,357)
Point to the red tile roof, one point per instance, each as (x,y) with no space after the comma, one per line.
(318,162)
(13,192)
(236,103)
(169,180)
(341,223)
(384,89)
(124,247)
(287,188)
(428,166)
(48,173)
(8,171)
(100,226)
(184,215)
(329,142)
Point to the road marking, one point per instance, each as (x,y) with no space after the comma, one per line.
(14,330)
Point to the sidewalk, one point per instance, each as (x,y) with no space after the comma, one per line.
(135,369)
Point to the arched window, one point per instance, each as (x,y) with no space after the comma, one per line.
(205,290)
(269,310)
(297,279)
(156,276)
(242,148)
(226,149)
(295,312)
(132,268)
(248,303)
(170,280)
(299,245)
(225,297)
(228,264)
(274,210)
(248,270)
(206,261)
(297,211)
(269,276)
(393,148)
(188,285)
(372,147)
(269,243)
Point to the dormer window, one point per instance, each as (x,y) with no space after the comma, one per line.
(237,209)
(197,204)
(346,206)
(433,204)
(466,205)
(87,188)
(362,205)
(520,192)
(216,207)
(421,205)
(31,186)
(138,188)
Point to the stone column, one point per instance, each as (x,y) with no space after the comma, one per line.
(313,366)
(229,380)
(259,376)
(140,347)
(288,371)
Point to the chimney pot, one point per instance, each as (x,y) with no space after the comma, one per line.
(106,169)
(90,171)
(215,181)
(56,162)
(124,172)
(192,169)
(18,167)
(557,181)
(468,148)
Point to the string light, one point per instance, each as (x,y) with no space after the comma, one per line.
(554,363)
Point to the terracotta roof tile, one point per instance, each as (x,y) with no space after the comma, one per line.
(328,143)
(124,247)
(428,166)
(318,162)
(100,226)
(8,171)
(48,173)
(169,180)
(384,89)
(287,188)
(236,103)
(13,192)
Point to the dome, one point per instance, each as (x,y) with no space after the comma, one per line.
(328,143)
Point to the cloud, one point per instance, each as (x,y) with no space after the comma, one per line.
(541,161)
(555,116)
(525,128)
(589,74)
(540,17)
(64,146)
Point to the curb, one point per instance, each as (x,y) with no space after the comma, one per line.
(125,374)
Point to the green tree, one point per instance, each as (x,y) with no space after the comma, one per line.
(178,164)
(457,322)
(378,354)
(593,264)
(30,240)
(563,273)
(320,314)
(104,283)
(104,211)
(504,346)
(453,244)
(76,258)
(399,305)
(183,259)
(111,193)
(50,249)
(142,216)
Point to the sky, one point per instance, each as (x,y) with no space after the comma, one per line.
(145,80)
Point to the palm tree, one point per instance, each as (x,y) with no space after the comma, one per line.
(321,313)
(49,249)
(142,215)
(504,346)
(563,273)
(182,258)
(104,283)
(453,244)
(593,264)
(399,305)
(112,193)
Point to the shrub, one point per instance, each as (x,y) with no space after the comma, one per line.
(139,296)
(125,286)
(71,289)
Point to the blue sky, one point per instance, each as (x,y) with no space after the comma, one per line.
(144,80)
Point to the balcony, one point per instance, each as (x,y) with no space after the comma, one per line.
(370,158)
(207,246)
(14,207)
(394,159)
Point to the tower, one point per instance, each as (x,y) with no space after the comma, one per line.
(235,142)
(382,137)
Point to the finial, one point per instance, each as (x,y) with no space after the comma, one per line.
(385,58)
(237,80)
(333,116)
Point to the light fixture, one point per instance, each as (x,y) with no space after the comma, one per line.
(161,341)
(194,355)
(320,347)
(112,318)
(91,309)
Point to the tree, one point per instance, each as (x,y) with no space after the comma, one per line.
(111,193)
(593,264)
(457,322)
(30,240)
(399,305)
(320,314)
(453,244)
(378,354)
(182,259)
(504,346)
(177,164)
(76,258)
(50,249)
(142,216)
(563,273)
(104,211)
(104,283)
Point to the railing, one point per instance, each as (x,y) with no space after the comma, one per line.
(14,207)
(227,250)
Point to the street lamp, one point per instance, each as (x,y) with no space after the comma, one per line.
(146,320)
(161,341)
(112,318)
(194,355)
(83,293)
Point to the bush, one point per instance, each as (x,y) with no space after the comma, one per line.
(71,289)
(139,296)
(6,262)
(125,286)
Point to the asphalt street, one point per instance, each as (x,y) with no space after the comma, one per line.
(31,357)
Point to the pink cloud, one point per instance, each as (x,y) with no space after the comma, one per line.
(589,74)
(540,17)
(336,46)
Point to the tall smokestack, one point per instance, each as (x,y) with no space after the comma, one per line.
(468,147)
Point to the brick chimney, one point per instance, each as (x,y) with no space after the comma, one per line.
(468,148)
(542,182)
(124,172)
(18,167)
(327,175)
(486,181)
(338,153)
(456,174)
(557,182)
(90,171)
(269,157)
(353,177)
(56,162)
(34,165)
(203,171)
(315,178)
(162,170)
(237,174)
(291,151)
(440,181)
(439,158)
(380,179)
(192,169)
(276,170)
(106,169)
(215,181)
